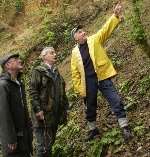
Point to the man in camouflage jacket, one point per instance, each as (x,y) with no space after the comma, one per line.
(49,102)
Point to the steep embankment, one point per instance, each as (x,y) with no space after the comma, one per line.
(28,26)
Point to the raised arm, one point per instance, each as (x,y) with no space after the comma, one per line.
(106,30)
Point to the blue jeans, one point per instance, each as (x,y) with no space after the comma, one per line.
(109,92)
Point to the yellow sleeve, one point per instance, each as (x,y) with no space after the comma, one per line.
(106,30)
(76,78)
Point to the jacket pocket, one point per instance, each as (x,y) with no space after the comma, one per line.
(101,63)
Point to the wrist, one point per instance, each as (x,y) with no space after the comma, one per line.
(116,15)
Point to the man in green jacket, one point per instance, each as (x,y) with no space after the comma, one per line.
(92,70)
(49,102)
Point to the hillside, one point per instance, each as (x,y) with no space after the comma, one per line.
(27,26)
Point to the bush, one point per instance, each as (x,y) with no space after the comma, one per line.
(137,32)
(19,5)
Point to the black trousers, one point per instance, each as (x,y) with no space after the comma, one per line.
(109,92)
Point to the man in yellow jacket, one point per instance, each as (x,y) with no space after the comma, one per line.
(92,71)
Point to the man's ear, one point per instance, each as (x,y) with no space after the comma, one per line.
(6,65)
(76,40)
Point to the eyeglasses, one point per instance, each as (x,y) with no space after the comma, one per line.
(14,60)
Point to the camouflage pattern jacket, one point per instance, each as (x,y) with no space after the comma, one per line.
(47,90)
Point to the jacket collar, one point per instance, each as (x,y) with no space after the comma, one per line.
(7,76)
(80,45)
(90,43)
(46,70)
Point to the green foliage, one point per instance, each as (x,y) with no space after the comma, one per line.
(116,62)
(68,141)
(19,5)
(65,144)
(144,85)
(125,86)
(112,137)
(131,103)
(57,32)
(137,32)
(50,37)
(62,55)
(67,36)
(139,130)
(71,95)
(116,59)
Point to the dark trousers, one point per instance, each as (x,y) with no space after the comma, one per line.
(108,90)
(45,140)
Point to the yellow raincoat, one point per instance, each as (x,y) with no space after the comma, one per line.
(102,65)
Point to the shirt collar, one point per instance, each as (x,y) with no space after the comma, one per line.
(49,66)
(80,45)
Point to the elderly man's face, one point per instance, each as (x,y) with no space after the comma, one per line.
(80,36)
(50,57)
(14,64)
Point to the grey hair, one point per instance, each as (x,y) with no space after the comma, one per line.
(45,50)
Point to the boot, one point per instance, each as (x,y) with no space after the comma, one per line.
(127,135)
(93,134)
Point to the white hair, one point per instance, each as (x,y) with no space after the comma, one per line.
(46,50)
